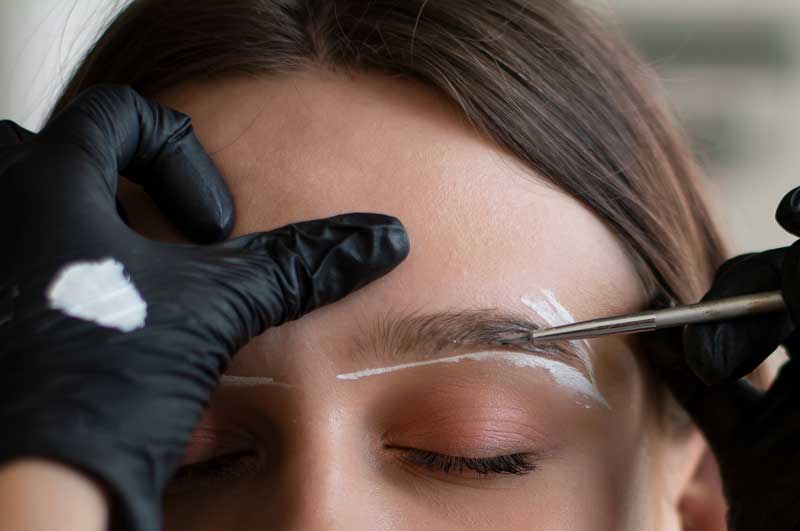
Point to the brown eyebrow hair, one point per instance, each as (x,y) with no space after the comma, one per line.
(395,337)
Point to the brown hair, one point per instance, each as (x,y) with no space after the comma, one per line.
(544,78)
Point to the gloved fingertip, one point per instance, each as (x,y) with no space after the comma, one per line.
(379,240)
(320,261)
(207,224)
(396,244)
(788,213)
(153,146)
(186,185)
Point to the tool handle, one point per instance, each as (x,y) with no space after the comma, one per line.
(720,310)
(702,312)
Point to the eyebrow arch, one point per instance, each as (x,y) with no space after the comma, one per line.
(421,337)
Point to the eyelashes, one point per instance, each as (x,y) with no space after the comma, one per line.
(513,464)
(231,466)
(244,464)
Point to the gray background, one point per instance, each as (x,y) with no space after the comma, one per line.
(731,69)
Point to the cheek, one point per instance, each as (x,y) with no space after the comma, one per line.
(613,471)
(616,480)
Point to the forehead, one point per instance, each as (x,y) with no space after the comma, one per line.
(484,229)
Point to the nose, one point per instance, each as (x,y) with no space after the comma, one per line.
(334,480)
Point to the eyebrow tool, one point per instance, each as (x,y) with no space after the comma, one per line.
(703,312)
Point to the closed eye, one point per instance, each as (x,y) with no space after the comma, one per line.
(510,464)
(207,474)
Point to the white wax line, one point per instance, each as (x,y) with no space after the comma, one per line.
(554,314)
(250,381)
(561,373)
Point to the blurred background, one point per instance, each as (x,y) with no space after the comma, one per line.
(731,69)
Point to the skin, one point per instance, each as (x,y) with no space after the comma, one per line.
(484,230)
(72,499)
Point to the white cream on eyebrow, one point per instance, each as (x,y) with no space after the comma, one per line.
(562,374)
(554,314)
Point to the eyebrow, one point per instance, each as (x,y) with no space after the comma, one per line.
(426,336)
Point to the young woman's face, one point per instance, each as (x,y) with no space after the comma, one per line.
(304,434)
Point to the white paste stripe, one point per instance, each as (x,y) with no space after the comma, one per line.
(561,373)
(106,296)
(554,314)
(99,292)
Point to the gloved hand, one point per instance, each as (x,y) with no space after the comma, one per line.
(755,435)
(110,343)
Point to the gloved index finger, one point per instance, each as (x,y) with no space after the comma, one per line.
(292,270)
(120,132)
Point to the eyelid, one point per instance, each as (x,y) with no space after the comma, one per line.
(456,428)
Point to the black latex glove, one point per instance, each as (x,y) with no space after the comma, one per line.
(755,435)
(121,405)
